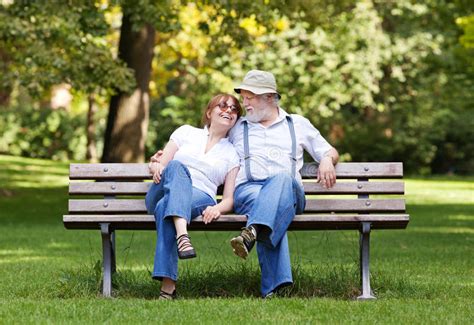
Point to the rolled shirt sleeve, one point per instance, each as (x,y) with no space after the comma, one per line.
(312,140)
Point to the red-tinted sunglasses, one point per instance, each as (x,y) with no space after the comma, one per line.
(223,107)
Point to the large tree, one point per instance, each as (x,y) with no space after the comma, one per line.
(44,43)
(127,122)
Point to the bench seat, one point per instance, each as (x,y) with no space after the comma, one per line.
(236,222)
(110,197)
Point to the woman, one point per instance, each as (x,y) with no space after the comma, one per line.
(193,164)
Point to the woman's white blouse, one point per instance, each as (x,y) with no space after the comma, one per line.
(208,170)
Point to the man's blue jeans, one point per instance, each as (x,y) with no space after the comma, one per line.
(271,203)
(174,196)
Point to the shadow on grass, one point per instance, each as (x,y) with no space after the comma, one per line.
(218,281)
(33,206)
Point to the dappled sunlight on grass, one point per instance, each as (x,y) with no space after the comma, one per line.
(461,217)
(20,255)
(22,259)
(59,245)
(443,230)
(30,161)
(33,169)
(439,192)
(135,268)
(15,252)
(32,173)
(36,182)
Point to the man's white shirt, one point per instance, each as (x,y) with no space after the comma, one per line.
(270,147)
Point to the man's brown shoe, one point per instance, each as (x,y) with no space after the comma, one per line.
(243,243)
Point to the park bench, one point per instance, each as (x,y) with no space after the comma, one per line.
(115,210)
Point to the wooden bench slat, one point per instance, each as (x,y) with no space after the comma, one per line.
(109,188)
(235,222)
(355,205)
(140,171)
(109,171)
(359,170)
(356,188)
(140,188)
(322,205)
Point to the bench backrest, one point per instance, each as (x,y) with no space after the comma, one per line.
(122,187)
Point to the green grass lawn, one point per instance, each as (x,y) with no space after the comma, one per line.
(48,274)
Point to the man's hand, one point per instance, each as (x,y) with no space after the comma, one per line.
(326,173)
(210,214)
(153,166)
(156,158)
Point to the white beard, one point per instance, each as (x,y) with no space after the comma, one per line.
(258,115)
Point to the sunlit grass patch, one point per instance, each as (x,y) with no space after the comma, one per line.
(19,172)
(460,191)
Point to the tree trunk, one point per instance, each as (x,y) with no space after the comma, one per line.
(127,122)
(91,151)
(5,89)
(5,96)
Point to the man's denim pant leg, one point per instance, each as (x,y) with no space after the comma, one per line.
(173,196)
(273,203)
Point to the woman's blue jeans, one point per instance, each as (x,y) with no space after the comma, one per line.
(271,203)
(174,196)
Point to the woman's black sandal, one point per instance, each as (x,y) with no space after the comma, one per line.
(185,248)
(167,296)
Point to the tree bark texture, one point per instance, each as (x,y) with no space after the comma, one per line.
(5,89)
(127,122)
(91,151)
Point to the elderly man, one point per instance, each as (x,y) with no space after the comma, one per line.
(269,188)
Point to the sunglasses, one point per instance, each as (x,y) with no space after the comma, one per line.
(223,107)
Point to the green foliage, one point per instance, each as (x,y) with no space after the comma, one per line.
(160,14)
(189,61)
(434,101)
(319,71)
(467,24)
(42,133)
(466,53)
(45,43)
(383,81)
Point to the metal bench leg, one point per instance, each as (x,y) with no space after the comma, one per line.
(112,246)
(364,262)
(107,259)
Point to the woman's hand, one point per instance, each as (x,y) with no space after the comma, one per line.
(210,214)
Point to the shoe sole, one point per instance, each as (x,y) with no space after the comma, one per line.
(187,254)
(238,245)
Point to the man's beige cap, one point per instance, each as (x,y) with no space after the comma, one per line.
(259,82)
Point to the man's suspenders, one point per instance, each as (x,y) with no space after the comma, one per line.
(247,149)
